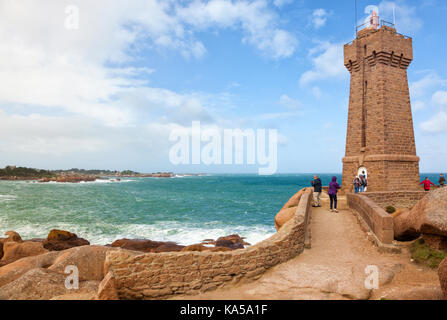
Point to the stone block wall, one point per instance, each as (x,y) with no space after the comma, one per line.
(162,275)
(397,199)
(380,222)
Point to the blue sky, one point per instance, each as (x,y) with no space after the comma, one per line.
(108,93)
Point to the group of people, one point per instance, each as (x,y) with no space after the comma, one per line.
(332,192)
(427,183)
(360,183)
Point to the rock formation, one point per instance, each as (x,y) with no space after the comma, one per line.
(58,240)
(137,244)
(428,216)
(288,210)
(442,273)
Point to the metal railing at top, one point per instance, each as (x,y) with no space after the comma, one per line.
(368,24)
(382,23)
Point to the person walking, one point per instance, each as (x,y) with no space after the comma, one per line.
(441,180)
(316,183)
(333,189)
(427,183)
(363,182)
(356,184)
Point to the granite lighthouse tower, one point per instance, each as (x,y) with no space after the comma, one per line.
(380,137)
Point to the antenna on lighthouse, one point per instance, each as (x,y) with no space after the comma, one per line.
(355,14)
(394,15)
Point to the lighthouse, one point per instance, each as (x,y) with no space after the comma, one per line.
(380,137)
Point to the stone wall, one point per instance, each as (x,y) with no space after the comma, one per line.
(380,222)
(397,199)
(162,275)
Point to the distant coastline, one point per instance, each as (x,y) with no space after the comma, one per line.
(77,175)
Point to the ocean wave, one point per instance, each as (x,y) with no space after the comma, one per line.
(7,197)
(97,181)
(181,233)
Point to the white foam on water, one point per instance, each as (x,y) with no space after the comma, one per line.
(186,235)
(7,197)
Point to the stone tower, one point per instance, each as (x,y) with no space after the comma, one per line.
(380,135)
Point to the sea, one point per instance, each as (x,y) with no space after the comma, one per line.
(184,209)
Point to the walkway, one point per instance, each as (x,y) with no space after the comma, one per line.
(334,268)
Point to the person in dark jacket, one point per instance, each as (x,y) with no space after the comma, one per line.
(427,183)
(363,182)
(356,184)
(441,180)
(333,189)
(316,183)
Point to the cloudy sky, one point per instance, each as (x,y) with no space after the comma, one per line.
(107,91)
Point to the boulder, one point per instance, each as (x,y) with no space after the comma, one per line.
(13,237)
(168,247)
(283,216)
(16,269)
(13,251)
(442,273)
(107,288)
(428,216)
(58,240)
(294,200)
(42,284)
(195,247)
(233,241)
(88,259)
(288,210)
(137,244)
(219,249)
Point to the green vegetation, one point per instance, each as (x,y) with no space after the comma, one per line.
(25,172)
(390,209)
(423,254)
(95,172)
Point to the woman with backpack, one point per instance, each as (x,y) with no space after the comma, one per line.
(333,189)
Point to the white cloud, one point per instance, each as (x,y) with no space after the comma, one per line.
(327,60)
(426,85)
(258,23)
(438,123)
(419,105)
(281,3)
(319,17)
(289,103)
(407,20)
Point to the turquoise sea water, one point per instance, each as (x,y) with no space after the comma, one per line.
(182,209)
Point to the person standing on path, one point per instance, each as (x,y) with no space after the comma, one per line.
(363,182)
(427,183)
(356,184)
(316,183)
(333,189)
(441,180)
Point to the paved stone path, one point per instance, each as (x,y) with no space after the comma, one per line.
(334,268)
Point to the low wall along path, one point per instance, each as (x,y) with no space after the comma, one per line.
(162,275)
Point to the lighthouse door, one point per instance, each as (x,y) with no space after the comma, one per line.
(363,171)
